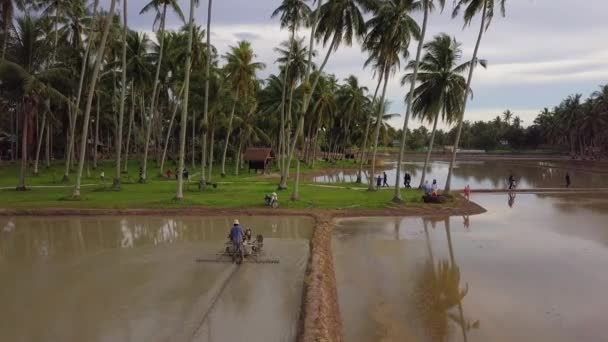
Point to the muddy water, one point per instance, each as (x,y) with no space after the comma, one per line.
(532,271)
(487,174)
(137,279)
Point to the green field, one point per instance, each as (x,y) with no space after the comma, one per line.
(245,191)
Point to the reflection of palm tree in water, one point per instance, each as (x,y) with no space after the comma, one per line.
(438,290)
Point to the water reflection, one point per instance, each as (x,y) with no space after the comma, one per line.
(488,174)
(25,237)
(439,292)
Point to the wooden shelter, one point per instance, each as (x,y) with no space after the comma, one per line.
(259,158)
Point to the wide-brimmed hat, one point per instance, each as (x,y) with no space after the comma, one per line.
(274,194)
(236,221)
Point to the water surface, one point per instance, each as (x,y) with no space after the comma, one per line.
(530,269)
(136,279)
(486,174)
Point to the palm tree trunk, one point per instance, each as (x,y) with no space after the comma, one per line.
(466,97)
(410,100)
(154,90)
(295,194)
(428,153)
(87,112)
(206,101)
(123,97)
(377,132)
(69,143)
(162,160)
(48,144)
(193,140)
(179,194)
(282,134)
(27,108)
(43,127)
(131,119)
(96,140)
(74,114)
(211,143)
(236,94)
(238,158)
(364,149)
(453,266)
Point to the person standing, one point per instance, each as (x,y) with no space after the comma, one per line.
(467,192)
(407,179)
(511,182)
(567,180)
(378,182)
(236,237)
(384,180)
(102,178)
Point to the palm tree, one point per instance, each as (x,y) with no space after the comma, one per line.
(179,194)
(123,96)
(160,16)
(353,99)
(486,8)
(92,85)
(29,85)
(7,9)
(507,115)
(74,113)
(241,72)
(441,88)
(293,14)
(427,6)
(389,34)
(340,21)
(206,103)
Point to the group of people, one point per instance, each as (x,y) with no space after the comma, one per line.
(431,190)
(185,174)
(382,181)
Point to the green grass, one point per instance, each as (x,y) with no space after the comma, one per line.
(244,191)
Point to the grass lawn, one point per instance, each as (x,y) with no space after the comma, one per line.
(244,191)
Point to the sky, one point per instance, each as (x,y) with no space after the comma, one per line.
(541,52)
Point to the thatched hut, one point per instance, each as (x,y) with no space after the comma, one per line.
(259,158)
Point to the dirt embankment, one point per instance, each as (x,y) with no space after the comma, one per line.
(320,315)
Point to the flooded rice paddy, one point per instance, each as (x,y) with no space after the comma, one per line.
(486,174)
(137,279)
(530,269)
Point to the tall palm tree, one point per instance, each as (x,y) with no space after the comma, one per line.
(293,14)
(206,103)
(7,10)
(28,83)
(123,97)
(161,14)
(427,7)
(340,21)
(179,193)
(92,84)
(441,88)
(507,115)
(389,34)
(353,100)
(241,72)
(486,9)
(74,113)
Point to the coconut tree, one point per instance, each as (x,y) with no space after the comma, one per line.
(29,83)
(206,101)
(427,7)
(352,99)
(293,14)
(507,115)
(179,193)
(441,85)
(389,34)
(241,73)
(83,67)
(338,21)
(123,97)
(160,6)
(92,85)
(7,10)
(472,7)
